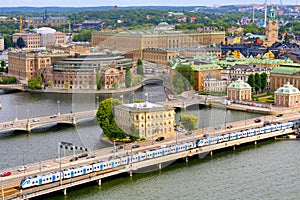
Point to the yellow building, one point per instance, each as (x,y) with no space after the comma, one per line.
(139,40)
(31,40)
(150,119)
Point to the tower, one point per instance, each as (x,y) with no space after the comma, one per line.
(271,29)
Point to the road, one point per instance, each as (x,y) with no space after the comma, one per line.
(106,153)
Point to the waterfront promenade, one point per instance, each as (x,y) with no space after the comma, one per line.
(12,182)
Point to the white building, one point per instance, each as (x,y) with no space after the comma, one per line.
(49,36)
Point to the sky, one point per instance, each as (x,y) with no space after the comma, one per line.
(94,3)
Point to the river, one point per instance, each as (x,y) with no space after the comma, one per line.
(267,171)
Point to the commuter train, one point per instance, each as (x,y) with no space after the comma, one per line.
(39,180)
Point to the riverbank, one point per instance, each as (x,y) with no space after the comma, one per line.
(86,91)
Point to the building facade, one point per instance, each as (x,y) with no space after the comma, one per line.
(283,74)
(239,91)
(26,65)
(287,96)
(1,43)
(31,40)
(112,76)
(139,40)
(79,71)
(150,119)
(211,84)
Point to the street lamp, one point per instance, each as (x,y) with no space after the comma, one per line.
(16,118)
(122,98)
(28,115)
(58,108)
(146,94)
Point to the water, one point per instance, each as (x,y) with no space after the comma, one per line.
(268,171)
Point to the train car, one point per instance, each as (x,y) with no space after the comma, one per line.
(125,160)
(226,137)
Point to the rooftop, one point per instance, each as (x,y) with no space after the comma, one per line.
(287,89)
(239,84)
(143,107)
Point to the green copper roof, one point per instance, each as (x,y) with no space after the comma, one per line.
(285,70)
(287,89)
(206,67)
(239,84)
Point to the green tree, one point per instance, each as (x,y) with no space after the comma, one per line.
(115,84)
(263,80)
(138,79)
(286,38)
(189,121)
(251,80)
(99,80)
(83,36)
(140,68)
(20,43)
(134,132)
(178,83)
(128,77)
(3,63)
(50,84)
(106,119)
(257,82)
(188,73)
(34,84)
(66,85)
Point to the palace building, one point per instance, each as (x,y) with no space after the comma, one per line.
(149,118)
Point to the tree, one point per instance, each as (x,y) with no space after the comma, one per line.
(188,73)
(286,38)
(140,68)
(178,83)
(34,84)
(138,79)
(99,80)
(263,80)
(20,43)
(189,121)
(3,63)
(257,82)
(251,80)
(115,84)
(66,85)
(134,132)
(106,119)
(128,77)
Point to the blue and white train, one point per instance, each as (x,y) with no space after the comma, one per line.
(39,180)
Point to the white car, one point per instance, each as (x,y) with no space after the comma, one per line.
(22,168)
(36,120)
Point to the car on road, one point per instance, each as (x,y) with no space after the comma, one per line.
(257,120)
(83,155)
(229,126)
(46,166)
(74,159)
(53,116)
(91,156)
(22,168)
(217,127)
(135,146)
(7,173)
(36,120)
(159,139)
(279,115)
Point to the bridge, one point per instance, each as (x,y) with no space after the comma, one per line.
(10,183)
(37,122)
(12,87)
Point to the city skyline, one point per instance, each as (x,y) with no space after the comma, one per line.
(123,3)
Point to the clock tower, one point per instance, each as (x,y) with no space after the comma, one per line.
(271,29)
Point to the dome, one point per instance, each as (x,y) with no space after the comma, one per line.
(163,24)
(287,89)
(239,84)
(46,30)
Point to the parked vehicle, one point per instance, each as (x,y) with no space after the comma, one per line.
(135,146)
(53,116)
(279,115)
(36,120)
(74,159)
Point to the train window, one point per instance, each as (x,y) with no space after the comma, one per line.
(57,177)
(43,179)
(32,182)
